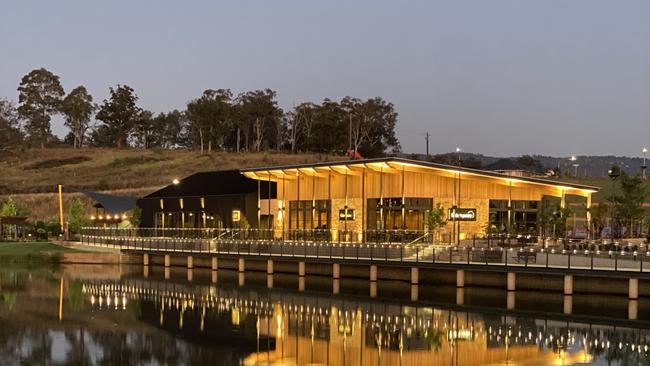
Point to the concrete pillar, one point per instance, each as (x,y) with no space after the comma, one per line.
(145,259)
(512,279)
(190,262)
(167,260)
(336,271)
(242,278)
(414,292)
(373,273)
(510,301)
(415,276)
(215,264)
(568,304)
(568,284)
(336,286)
(242,265)
(633,309)
(269,266)
(460,278)
(301,269)
(190,274)
(634,289)
(301,283)
(269,281)
(373,288)
(167,273)
(215,274)
(146,271)
(460,296)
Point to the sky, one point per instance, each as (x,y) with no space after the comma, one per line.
(497,77)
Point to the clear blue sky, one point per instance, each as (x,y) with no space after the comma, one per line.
(500,77)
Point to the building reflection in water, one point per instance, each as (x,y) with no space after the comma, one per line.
(294,328)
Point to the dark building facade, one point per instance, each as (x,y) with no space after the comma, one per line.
(210,200)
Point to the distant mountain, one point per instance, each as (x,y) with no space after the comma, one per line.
(588,165)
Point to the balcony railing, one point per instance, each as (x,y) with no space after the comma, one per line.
(592,256)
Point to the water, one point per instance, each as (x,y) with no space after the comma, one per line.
(110,315)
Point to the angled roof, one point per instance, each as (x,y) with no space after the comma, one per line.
(213,183)
(426,164)
(111,204)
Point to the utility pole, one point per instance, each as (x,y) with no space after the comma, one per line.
(350,135)
(426,138)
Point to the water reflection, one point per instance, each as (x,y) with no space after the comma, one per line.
(129,319)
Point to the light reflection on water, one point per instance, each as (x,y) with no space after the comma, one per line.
(127,319)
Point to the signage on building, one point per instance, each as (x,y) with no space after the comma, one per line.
(236,216)
(346,215)
(462,214)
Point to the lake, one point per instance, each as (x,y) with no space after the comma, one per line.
(115,315)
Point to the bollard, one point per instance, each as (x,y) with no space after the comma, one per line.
(336,271)
(511,281)
(568,284)
(460,296)
(633,288)
(415,276)
(568,305)
(460,278)
(414,292)
(242,265)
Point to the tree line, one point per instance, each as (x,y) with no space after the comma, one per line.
(219,119)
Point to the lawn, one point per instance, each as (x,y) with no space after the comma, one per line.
(32,248)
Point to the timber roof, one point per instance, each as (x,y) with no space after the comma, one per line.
(424,164)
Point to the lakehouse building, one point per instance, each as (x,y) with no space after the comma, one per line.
(354,200)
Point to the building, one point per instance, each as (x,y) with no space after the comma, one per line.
(354,200)
(208,200)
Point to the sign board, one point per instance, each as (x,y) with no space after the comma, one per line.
(236,215)
(462,214)
(346,215)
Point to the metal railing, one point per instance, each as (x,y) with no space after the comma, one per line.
(609,257)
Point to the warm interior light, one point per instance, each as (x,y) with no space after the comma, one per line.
(176,181)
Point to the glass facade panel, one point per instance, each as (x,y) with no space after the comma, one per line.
(391,217)
(524,217)
(301,212)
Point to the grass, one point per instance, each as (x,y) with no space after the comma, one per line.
(32,176)
(32,248)
(54,163)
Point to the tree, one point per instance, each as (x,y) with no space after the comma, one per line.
(531,163)
(11,208)
(167,127)
(435,219)
(371,126)
(10,134)
(143,129)
(259,116)
(78,107)
(39,97)
(208,117)
(76,216)
(119,114)
(300,123)
(629,204)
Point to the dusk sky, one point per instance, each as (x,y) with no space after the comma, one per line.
(498,77)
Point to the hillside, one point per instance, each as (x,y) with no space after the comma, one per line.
(31,177)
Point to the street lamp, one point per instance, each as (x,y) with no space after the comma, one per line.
(613,174)
(644,167)
(575,165)
(456,222)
